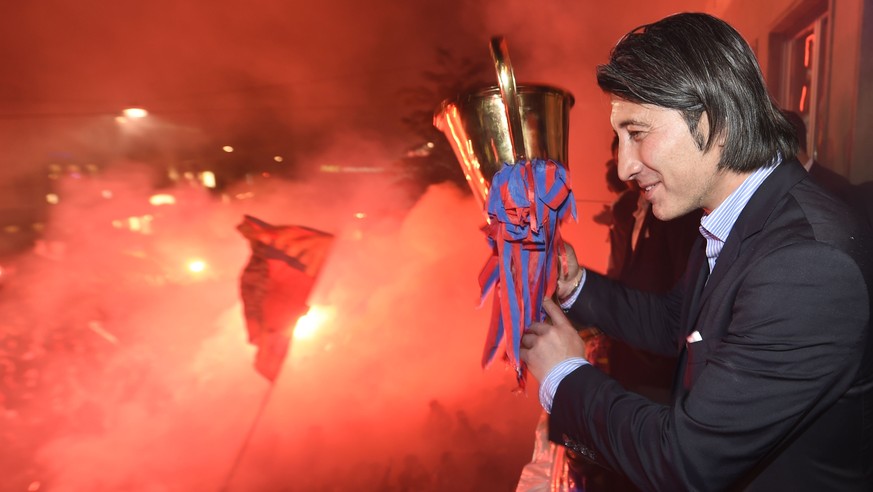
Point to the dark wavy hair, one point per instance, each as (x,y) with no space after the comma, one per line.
(696,63)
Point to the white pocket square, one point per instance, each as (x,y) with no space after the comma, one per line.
(694,337)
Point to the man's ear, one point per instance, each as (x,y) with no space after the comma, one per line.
(721,138)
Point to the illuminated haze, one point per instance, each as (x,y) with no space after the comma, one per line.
(125,370)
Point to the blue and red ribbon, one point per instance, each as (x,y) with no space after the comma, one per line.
(527,203)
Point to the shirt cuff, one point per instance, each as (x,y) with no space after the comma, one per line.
(550,383)
(567,303)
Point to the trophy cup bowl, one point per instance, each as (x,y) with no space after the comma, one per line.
(503,124)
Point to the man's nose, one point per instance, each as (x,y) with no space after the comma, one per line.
(629,164)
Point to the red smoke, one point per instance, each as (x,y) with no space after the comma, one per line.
(122,369)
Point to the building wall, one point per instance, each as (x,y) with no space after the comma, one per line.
(845,139)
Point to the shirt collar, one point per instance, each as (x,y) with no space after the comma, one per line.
(717,224)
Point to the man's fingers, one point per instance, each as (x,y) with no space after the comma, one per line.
(533,331)
(536,328)
(527,340)
(552,310)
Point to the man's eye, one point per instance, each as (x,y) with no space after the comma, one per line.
(635,135)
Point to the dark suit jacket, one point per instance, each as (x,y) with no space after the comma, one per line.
(655,265)
(778,394)
(863,194)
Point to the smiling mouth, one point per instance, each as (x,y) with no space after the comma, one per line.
(647,190)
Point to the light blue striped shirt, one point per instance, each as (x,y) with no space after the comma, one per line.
(714,227)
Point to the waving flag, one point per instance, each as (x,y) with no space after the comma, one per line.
(276,283)
(526,205)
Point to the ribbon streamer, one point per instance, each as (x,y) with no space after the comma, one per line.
(526,205)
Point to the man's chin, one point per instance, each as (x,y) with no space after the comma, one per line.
(660,212)
(667,213)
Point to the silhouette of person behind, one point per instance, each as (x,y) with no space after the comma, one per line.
(834,182)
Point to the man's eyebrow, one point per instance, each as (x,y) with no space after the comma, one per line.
(628,122)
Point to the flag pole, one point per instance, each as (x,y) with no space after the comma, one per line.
(225,486)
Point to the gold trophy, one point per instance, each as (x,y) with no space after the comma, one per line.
(504,124)
(511,141)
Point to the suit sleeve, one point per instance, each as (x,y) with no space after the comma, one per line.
(644,320)
(792,344)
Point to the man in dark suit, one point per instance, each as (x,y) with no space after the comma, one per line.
(775,385)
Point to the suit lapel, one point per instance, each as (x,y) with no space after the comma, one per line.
(699,270)
(751,220)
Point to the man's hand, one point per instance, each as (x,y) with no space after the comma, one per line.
(546,344)
(569,280)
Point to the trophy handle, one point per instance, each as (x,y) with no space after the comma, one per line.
(509,94)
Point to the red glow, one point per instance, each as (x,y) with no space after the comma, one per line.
(169,373)
(808,44)
(130,375)
(803,92)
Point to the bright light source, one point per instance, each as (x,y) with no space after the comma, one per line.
(278,158)
(134,113)
(227,148)
(52,198)
(360,215)
(134,223)
(208,179)
(196,266)
(310,322)
(162,199)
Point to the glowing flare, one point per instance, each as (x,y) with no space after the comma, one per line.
(162,199)
(134,113)
(208,179)
(310,322)
(196,266)
(134,223)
